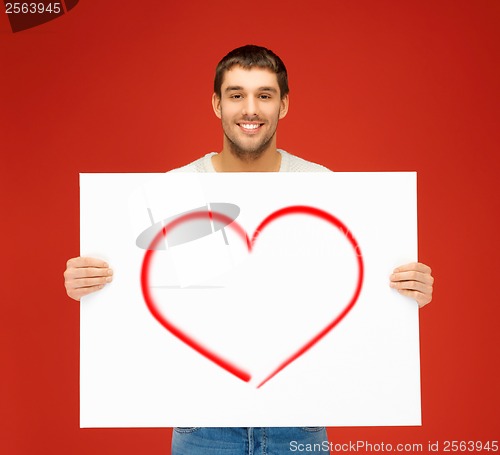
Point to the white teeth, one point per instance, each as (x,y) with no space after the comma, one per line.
(249,126)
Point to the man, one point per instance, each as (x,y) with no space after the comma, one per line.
(250,97)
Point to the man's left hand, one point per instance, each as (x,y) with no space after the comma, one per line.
(414,280)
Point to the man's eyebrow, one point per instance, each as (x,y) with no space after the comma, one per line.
(267,89)
(232,88)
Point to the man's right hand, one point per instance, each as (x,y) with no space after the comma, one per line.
(84,275)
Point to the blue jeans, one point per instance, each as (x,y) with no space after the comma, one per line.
(249,441)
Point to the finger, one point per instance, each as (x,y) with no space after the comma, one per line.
(87,282)
(421,299)
(84,261)
(411,286)
(87,272)
(77,294)
(412,276)
(416,266)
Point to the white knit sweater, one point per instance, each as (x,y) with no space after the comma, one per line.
(289,163)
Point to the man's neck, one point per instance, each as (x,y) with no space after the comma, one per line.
(225,161)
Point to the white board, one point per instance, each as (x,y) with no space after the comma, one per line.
(297,328)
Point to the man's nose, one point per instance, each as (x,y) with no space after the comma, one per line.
(250,107)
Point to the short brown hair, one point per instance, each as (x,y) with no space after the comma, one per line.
(251,56)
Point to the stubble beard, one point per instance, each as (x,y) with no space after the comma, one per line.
(248,154)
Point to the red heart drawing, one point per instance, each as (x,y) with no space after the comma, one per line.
(203,350)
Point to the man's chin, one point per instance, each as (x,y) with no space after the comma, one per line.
(248,154)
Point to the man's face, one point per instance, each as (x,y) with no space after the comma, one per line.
(250,107)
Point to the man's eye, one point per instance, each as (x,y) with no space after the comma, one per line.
(265,97)
(237,97)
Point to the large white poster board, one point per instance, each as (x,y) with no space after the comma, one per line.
(249,299)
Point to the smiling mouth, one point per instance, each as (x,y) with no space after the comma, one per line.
(250,127)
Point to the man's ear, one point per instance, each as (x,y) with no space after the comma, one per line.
(284,106)
(216,105)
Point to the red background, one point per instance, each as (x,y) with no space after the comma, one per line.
(124,86)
